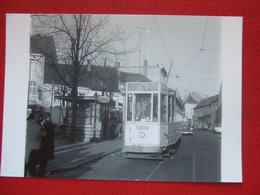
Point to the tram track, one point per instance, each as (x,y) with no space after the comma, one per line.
(197,159)
(107,168)
(193,164)
(148,178)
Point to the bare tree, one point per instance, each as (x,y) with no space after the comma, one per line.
(79,39)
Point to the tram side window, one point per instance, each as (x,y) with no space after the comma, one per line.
(163,108)
(170,109)
(142,107)
(155,108)
(173,109)
(129,107)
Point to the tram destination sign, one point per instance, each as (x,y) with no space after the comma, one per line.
(143,86)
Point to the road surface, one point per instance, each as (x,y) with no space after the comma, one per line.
(197,159)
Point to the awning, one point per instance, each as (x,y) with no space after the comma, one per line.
(82,99)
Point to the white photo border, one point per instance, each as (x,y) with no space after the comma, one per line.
(16,94)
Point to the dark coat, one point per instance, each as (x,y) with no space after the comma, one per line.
(47,141)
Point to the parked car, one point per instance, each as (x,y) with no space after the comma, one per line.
(187,129)
(218,129)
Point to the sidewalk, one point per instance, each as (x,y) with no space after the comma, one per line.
(75,155)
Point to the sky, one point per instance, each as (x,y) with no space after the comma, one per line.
(191,43)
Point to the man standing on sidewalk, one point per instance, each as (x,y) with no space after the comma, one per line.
(40,153)
(46,143)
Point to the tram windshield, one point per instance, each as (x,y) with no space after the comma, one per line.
(142,107)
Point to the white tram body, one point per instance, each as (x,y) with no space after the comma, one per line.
(152,119)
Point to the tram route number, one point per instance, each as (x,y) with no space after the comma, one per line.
(142,128)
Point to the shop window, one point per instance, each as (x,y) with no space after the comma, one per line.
(32,88)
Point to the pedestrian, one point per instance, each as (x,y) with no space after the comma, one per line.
(32,145)
(119,127)
(113,127)
(31,115)
(46,143)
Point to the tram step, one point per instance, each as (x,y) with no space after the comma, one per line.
(144,156)
(169,152)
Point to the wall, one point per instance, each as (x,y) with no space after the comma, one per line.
(189,112)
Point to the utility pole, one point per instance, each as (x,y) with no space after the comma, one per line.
(29,86)
(95,118)
(140,43)
(169,73)
(139,50)
(52,97)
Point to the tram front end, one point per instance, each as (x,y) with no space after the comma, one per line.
(142,141)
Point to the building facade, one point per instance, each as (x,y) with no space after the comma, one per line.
(189,104)
(49,81)
(48,88)
(205,113)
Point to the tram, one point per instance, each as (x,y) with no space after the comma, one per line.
(152,119)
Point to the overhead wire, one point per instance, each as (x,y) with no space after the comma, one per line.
(164,45)
(190,63)
(200,50)
(192,59)
(204,35)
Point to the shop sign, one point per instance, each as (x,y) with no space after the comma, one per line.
(103,99)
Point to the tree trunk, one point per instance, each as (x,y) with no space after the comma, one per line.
(74,104)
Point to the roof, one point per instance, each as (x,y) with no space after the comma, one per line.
(192,97)
(195,96)
(190,100)
(132,77)
(207,101)
(94,77)
(91,76)
(43,45)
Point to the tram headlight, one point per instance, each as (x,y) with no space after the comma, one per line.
(141,134)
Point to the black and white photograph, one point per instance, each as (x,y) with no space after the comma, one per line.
(124,97)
